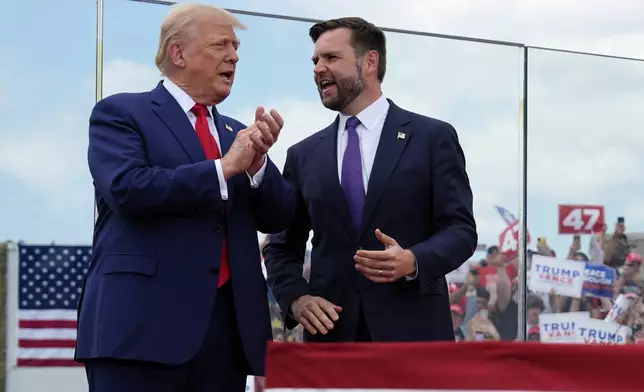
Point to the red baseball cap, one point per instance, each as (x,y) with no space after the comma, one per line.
(634,257)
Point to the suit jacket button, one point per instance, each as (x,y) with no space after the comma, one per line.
(359,248)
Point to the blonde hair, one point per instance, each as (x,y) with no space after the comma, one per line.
(181,22)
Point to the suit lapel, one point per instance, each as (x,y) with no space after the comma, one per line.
(226,136)
(392,143)
(169,111)
(326,163)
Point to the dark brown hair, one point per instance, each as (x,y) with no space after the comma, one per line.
(365,37)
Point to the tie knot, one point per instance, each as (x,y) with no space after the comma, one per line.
(199,110)
(353,122)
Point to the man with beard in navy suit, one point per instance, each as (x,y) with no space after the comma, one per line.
(387,196)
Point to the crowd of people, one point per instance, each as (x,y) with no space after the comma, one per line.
(484,306)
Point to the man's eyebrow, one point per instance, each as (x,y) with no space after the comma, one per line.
(324,55)
(234,41)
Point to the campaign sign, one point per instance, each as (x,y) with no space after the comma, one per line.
(565,277)
(620,308)
(599,281)
(580,219)
(509,241)
(593,331)
(560,327)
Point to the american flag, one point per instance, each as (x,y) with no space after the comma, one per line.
(50,282)
(506,215)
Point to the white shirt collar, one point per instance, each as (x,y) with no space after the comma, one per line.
(370,116)
(183,99)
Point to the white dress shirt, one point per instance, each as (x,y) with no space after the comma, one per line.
(372,120)
(187,103)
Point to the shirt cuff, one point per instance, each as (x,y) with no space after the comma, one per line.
(415,274)
(256,180)
(223,185)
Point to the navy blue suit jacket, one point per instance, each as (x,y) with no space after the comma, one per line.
(418,193)
(158,239)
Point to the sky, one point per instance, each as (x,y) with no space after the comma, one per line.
(585,142)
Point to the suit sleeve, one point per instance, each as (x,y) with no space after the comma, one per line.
(455,238)
(285,252)
(273,201)
(130,185)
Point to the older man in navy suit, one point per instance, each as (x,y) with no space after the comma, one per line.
(175,299)
(387,196)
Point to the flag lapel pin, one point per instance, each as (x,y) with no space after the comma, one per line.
(229,128)
(401,136)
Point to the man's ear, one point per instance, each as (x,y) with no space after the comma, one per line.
(370,62)
(175,53)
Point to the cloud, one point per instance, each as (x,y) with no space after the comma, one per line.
(45,160)
(633,213)
(47,154)
(586,25)
(121,75)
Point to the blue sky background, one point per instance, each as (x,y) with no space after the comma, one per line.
(584,112)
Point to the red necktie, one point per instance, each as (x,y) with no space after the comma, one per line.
(212,152)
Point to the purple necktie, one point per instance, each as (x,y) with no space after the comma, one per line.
(351,178)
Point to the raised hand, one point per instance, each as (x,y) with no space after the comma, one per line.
(242,152)
(270,126)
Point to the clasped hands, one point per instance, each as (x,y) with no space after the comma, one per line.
(316,314)
(248,151)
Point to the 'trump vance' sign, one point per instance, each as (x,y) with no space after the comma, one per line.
(561,327)
(565,277)
(593,331)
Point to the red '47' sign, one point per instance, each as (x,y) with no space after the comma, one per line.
(509,241)
(580,219)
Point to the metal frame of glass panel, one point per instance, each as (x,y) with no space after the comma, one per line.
(523,115)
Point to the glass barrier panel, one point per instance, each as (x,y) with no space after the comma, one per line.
(585,213)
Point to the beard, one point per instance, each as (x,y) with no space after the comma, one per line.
(347,89)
